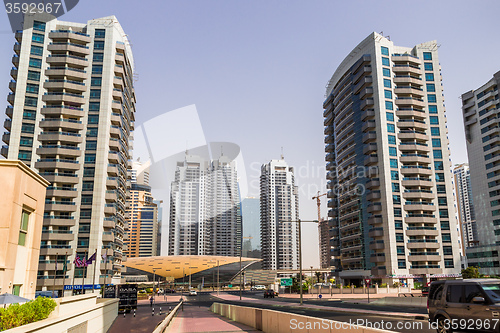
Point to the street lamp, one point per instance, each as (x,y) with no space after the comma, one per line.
(299,221)
(154,277)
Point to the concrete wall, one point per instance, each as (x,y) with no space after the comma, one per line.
(81,313)
(282,322)
(22,190)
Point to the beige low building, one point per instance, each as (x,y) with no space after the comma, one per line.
(22,201)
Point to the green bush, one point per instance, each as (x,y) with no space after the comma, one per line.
(17,315)
(383,285)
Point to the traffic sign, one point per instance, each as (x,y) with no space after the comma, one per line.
(230,286)
(368,281)
(286,282)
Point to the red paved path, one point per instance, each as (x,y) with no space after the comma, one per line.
(200,319)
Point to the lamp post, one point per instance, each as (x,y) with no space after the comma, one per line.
(299,221)
(154,276)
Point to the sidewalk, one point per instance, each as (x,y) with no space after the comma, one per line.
(403,315)
(327,295)
(200,319)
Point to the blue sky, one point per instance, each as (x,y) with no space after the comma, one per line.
(257,70)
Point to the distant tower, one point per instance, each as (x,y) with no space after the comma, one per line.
(465,205)
(279,211)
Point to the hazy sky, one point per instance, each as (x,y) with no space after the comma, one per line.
(257,70)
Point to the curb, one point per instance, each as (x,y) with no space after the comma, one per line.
(412,316)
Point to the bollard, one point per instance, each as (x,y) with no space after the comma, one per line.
(169,309)
(153,313)
(134,313)
(123,314)
(160,310)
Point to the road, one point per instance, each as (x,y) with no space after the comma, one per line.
(392,324)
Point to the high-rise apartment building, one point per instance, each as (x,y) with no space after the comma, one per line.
(279,214)
(205,214)
(465,205)
(389,170)
(71,110)
(250,212)
(480,108)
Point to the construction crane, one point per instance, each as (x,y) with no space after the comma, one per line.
(323,234)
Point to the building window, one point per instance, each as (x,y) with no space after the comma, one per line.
(386,72)
(390,116)
(37,38)
(24,155)
(393,151)
(441,188)
(384,50)
(92,133)
(396,199)
(427,56)
(398,212)
(94,106)
(431,87)
(100,33)
(431,98)
(34,76)
(436,143)
(23,230)
(399,237)
(393,163)
(39,26)
(88,172)
(429,77)
(439,177)
(95,93)
(435,131)
(394,175)
(98,57)
(445,225)
(395,187)
(443,213)
(87,186)
(428,66)
(433,109)
(398,225)
(392,140)
(26,142)
(385,61)
(387,83)
(389,105)
(28,128)
(97,69)
(89,158)
(434,120)
(446,238)
(438,165)
(32,88)
(36,50)
(96,82)
(35,63)
(448,263)
(400,250)
(447,250)
(401,263)
(438,153)
(391,128)
(99,45)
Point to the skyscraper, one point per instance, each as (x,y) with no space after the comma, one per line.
(205,214)
(250,212)
(279,213)
(465,203)
(388,164)
(480,109)
(72,106)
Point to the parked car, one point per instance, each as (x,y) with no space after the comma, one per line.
(472,304)
(269,293)
(193,293)
(259,287)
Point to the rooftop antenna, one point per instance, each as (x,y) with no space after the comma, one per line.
(187,150)
(282,157)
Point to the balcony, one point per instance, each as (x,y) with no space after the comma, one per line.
(110,209)
(15,60)
(422,244)
(422,256)
(424,271)
(111,196)
(52,250)
(67,222)
(53,123)
(5,151)
(65,84)
(7,124)
(62,110)
(68,72)
(108,236)
(410,112)
(418,194)
(9,111)
(410,124)
(61,59)
(421,219)
(408,90)
(376,232)
(369,137)
(373,196)
(376,245)
(368,125)
(58,206)
(407,79)
(405,57)
(61,192)
(63,98)
(409,101)
(366,103)
(369,148)
(374,220)
(414,158)
(69,48)
(10,98)
(422,231)
(414,147)
(6,137)
(70,35)
(59,178)
(412,135)
(367,114)
(377,258)
(60,136)
(58,150)
(373,183)
(12,86)
(56,235)
(13,73)
(17,48)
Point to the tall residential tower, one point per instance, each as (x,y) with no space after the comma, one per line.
(279,214)
(70,113)
(392,207)
(480,109)
(205,213)
(465,205)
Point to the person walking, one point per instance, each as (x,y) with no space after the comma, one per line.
(151,301)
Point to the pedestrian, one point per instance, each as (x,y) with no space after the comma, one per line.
(151,301)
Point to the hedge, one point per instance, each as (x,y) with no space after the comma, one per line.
(21,314)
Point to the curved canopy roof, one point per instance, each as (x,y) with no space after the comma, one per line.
(177,266)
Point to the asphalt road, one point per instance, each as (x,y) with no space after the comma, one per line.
(392,324)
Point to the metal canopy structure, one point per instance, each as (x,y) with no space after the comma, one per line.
(178,266)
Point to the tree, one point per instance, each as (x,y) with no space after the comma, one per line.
(471,272)
(318,275)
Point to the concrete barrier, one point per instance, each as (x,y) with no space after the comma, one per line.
(404,301)
(164,324)
(81,313)
(282,322)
